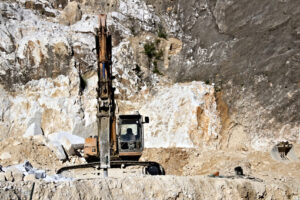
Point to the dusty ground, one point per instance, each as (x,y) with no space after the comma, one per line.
(196,162)
(187,171)
(258,165)
(176,161)
(35,151)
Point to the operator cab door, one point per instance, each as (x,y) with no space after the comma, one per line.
(130,135)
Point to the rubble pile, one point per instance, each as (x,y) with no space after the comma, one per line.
(26,172)
(45,153)
(16,150)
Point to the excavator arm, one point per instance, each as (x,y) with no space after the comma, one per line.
(100,146)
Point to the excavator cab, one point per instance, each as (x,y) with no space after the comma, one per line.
(131,135)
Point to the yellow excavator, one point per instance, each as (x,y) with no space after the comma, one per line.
(120,140)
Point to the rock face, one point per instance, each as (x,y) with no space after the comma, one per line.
(247,53)
(187,117)
(167,187)
(40,80)
(251,52)
(71,14)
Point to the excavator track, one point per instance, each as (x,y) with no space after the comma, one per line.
(152,168)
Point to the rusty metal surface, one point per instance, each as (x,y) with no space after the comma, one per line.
(105,108)
(102,39)
(114,136)
(91,147)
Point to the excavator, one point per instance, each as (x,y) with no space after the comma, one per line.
(120,139)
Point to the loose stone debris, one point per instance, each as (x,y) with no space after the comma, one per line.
(26,172)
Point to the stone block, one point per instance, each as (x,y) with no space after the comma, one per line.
(68,146)
(40,174)
(33,130)
(9,175)
(2,176)
(69,142)
(18,175)
(71,14)
(29,177)
(5,155)
(14,174)
(27,166)
(76,141)
(58,150)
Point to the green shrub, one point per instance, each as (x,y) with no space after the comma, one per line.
(162,33)
(157,42)
(156,71)
(149,49)
(153,54)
